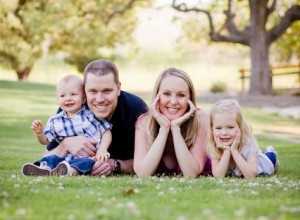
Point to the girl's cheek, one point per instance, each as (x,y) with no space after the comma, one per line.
(237,131)
(215,139)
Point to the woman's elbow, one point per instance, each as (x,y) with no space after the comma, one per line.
(141,173)
(190,175)
(218,175)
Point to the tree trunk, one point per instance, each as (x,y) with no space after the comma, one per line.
(261,79)
(23,73)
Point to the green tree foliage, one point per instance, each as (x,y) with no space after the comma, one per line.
(19,45)
(84,30)
(288,46)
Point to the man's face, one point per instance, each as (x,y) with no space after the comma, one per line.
(102,95)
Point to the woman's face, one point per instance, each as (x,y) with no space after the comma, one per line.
(174,95)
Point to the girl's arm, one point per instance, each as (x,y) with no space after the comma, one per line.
(146,160)
(248,166)
(102,153)
(191,160)
(37,127)
(220,166)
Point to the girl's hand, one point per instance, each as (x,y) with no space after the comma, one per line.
(220,145)
(162,120)
(179,121)
(236,141)
(37,126)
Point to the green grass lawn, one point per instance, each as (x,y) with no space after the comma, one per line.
(129,197)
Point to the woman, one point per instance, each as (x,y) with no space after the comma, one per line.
(171,137)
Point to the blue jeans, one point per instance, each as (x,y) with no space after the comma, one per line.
(272,157)
(83,165)
(52,161)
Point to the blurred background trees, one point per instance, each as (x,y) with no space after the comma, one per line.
(253,23)
(80,31)
(83,30)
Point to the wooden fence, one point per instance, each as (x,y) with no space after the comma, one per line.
(275,71)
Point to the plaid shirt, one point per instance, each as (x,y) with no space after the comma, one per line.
(84,123)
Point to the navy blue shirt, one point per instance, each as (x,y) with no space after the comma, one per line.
(129,108)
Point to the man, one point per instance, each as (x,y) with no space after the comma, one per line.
(106,100)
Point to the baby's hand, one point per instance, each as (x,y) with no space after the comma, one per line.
(37,126)
(102,155)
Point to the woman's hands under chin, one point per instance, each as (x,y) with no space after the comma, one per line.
(179,121)
(161,119)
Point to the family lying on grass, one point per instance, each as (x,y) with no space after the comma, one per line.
(100,129)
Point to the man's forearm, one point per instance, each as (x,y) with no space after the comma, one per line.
(126,166)
(123,166)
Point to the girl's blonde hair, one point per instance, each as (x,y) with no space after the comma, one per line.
(189,129)
(229,106)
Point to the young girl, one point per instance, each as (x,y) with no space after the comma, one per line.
(232,146)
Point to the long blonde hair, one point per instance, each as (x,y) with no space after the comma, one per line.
(232,106)
(189,129)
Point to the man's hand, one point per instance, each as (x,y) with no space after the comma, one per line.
(103,168)
(80,146)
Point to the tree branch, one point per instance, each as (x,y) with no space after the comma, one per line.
(119,12)
(234,36)
(272,7)
(229,18)
(229,22)
(183,8)
(291,15)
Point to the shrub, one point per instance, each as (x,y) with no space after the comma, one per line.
(218,86)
